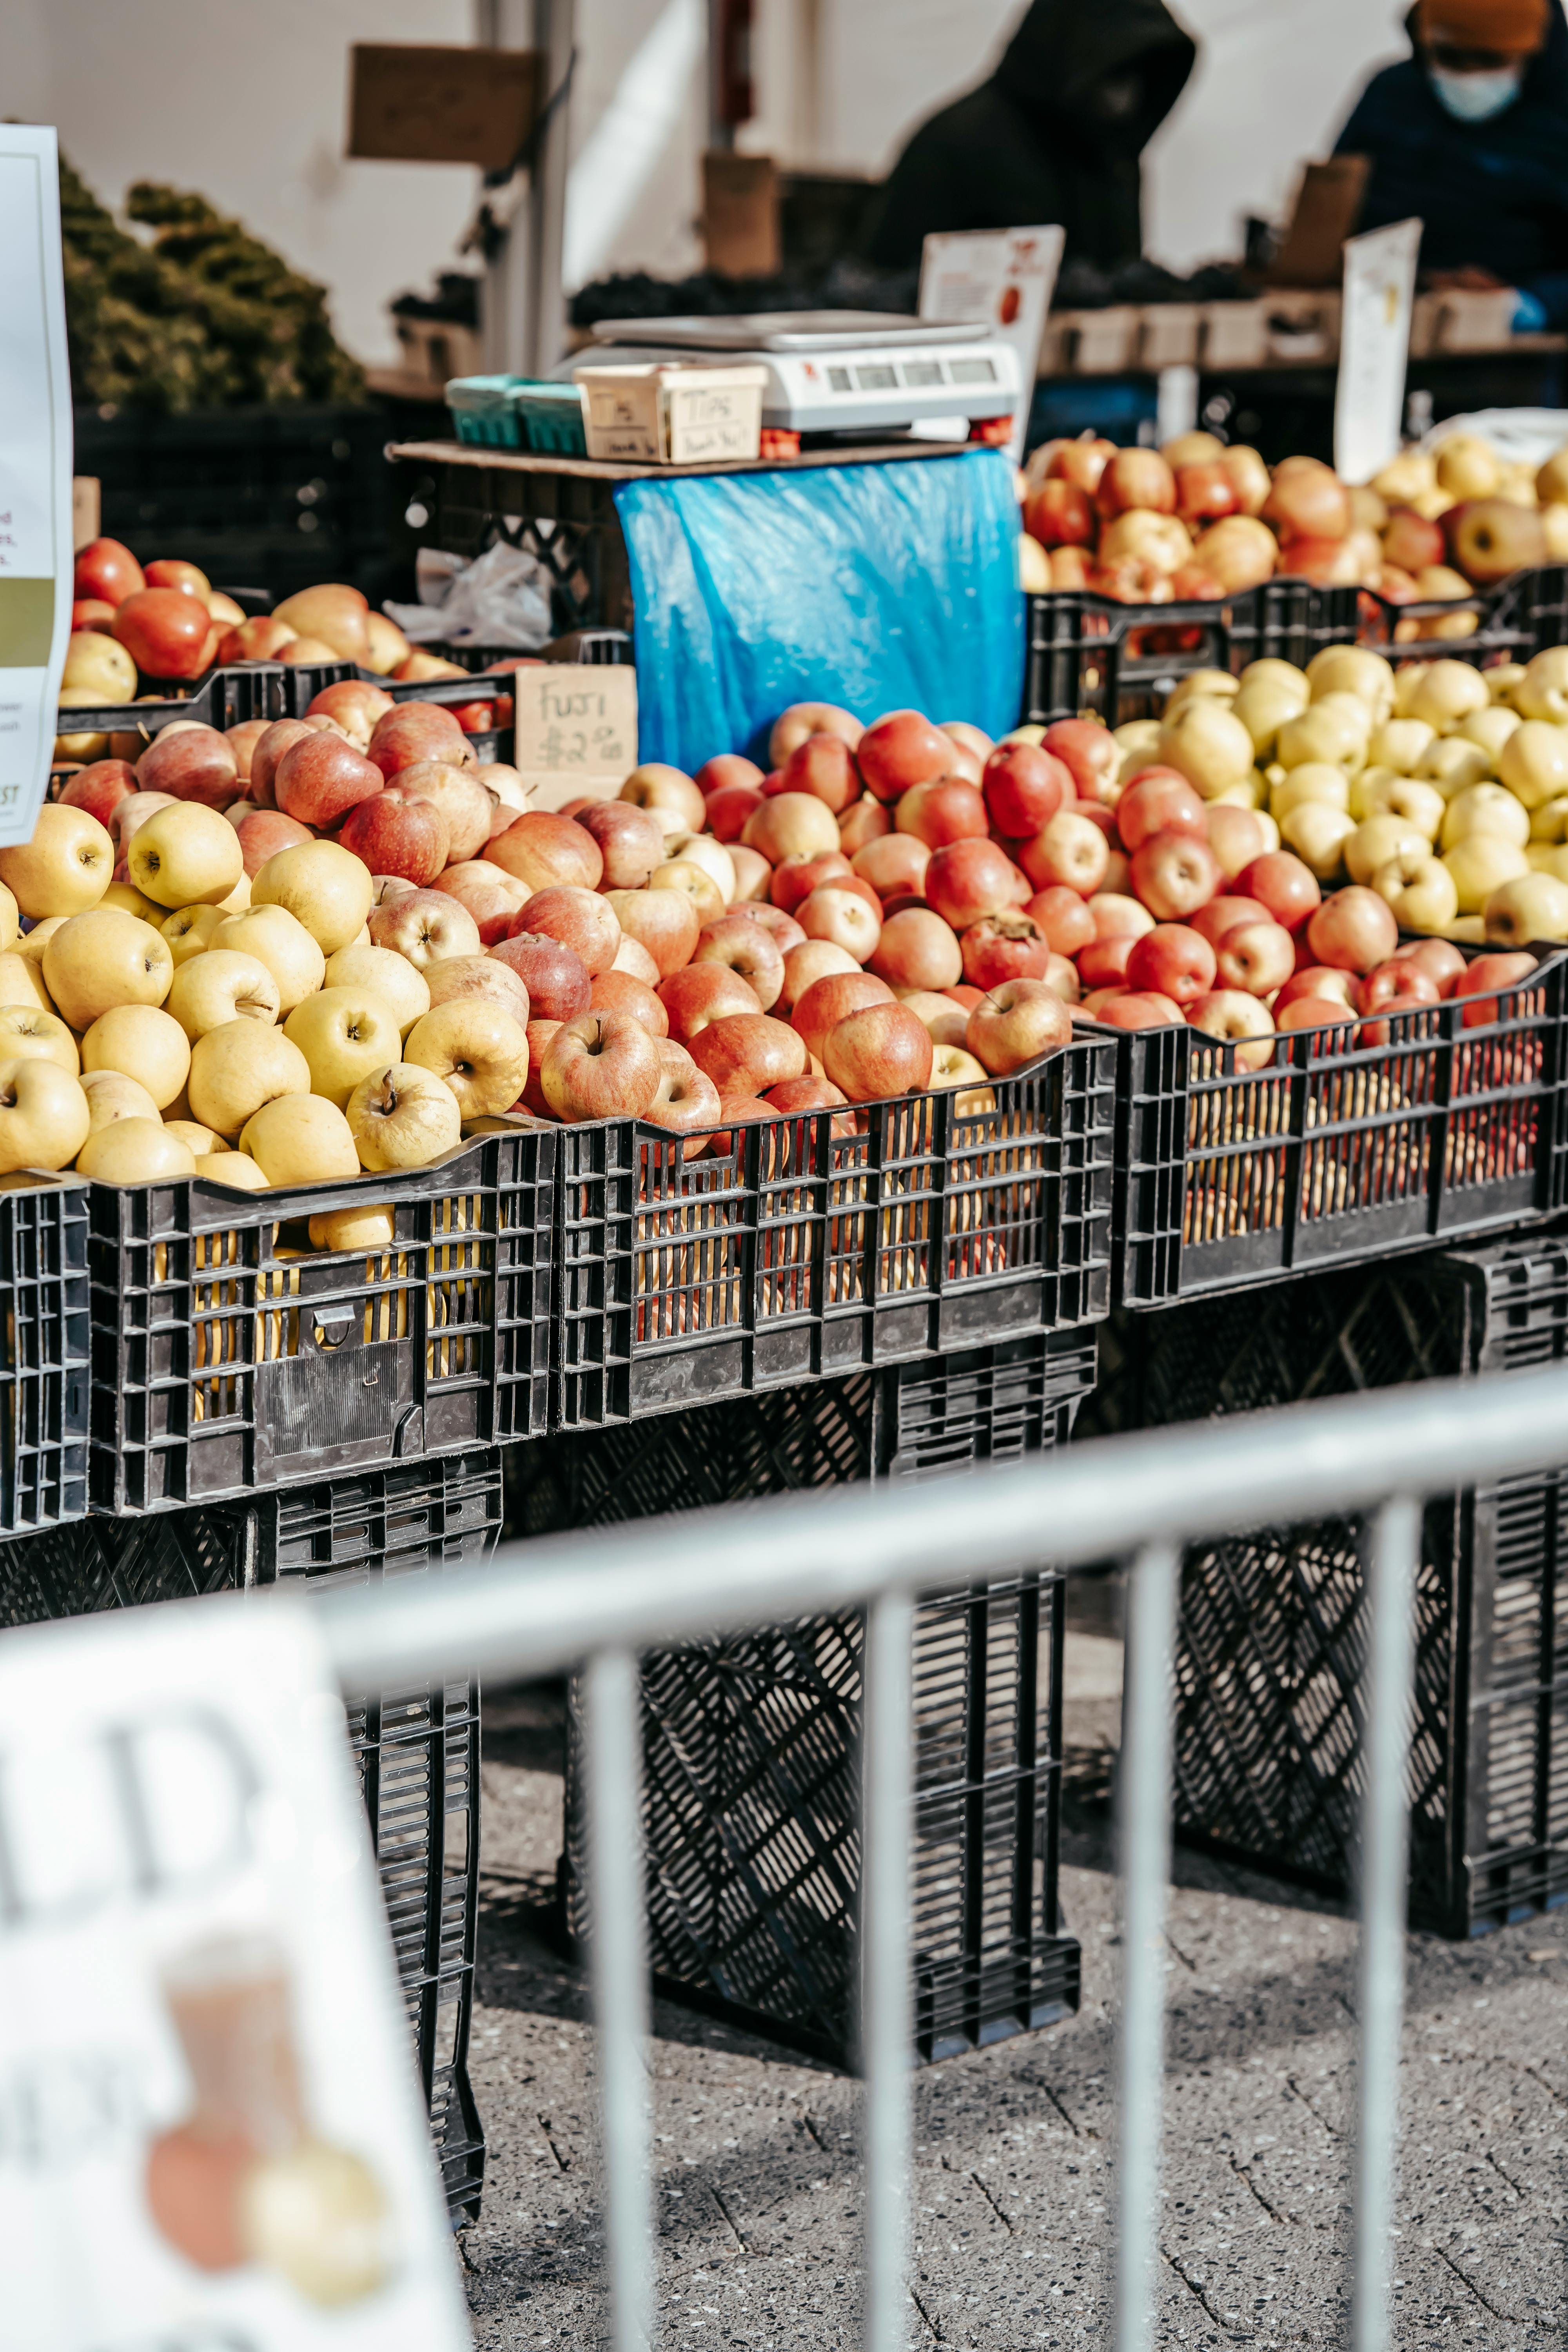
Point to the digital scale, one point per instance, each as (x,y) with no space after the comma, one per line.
(847,376)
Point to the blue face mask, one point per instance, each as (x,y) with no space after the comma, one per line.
(1475,97)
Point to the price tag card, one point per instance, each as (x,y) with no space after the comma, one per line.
(211,2132)
(1007,275)
(1375,348)
(577,730)
(37,560)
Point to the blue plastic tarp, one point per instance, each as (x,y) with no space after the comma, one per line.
(881,587)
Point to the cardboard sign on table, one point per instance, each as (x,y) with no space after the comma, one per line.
(577,730)
(1004,276)
(413,103)
(1375,348)
(36,552)
(211,2132)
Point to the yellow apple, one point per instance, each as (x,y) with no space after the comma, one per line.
(195,1138)
(1485,808)
(403,1117)
(1541,692)
(323,885)
(221,985)
(26,1032)
(189,931)
(1530,907)
(280,942)
(134,1151)
(142,1042)
(1263,708)
(237,1068)
(33,942)
(1326,733)
(1534,762)
(99,666)
(22,982)
(1352,669)
(1482,863)
(353,1229)
(1208,745)
(1444,693)
(299,1140)
(1377,840)
(185,857)
(344,1033)
(1490,729)
(701,849)
(1453,764)
(478,1049)
(1201,684)
(65,869)
(1549,857)
(110,1096)
(1419,804)
(43,1116)
(391,977)
(1315,779)
(129,901)
(1549,819)
(1468,467)
(1138,741)
(1503,682)
(233,1168)
(1269,670)
(1420,890)
(1317,834)
(103,958)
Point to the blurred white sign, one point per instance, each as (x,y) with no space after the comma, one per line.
(36,559)
(211,2132)
(1375,348)
(1004,276)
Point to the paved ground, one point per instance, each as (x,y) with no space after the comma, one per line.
(757,2173)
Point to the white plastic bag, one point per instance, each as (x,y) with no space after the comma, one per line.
(501,599)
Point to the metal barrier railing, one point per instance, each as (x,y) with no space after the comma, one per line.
(603,1596)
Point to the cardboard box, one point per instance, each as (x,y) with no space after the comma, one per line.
(665,413)
(577,730)
(86,509)
(1169,335)
(740,214)
(1328,205)
(1234,335)
(409,103)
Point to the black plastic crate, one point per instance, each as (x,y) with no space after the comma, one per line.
(1517,619)
(417,1748)
(1089,656)
(567,521)
(750,1766)
(1227,1176)
(230,1355)
(685,1277)
(44,1350)
(1273,1630)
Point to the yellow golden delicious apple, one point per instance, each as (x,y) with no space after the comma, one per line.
(129,901)
(65,869)
(1443,693)
(1201,684)
(1468,467)
(237,1068)
(1314,780)
(1398,743)
(235,1169)
(145,1043)
(33,942)
(1530,907)
(1327,733)
(280,942)
(110,1096)
(189,931)
(134,1151)
(1419,804)
(1485,808)
(299,1140)
(1542,693)
(1317,834)
(1549,857)
(1482,863)
(221,985)
(43,1115)
(1208,745)
(1263,708)
(185,857)
(478,1049)
(26,1032)
(353,1229)
(1354,669)
(1406,476)
(196,1139)
(325,886)
(1138,741)
(22,982)
(1534,762)
(1453,763)
(1377,840)
(1490,729)
(103,958)
(391,977)
(344,1033)
(403,1117)
(1503,682)
(1419,888)
(1549,819)
(701,849)
(97,667)
(1551,481)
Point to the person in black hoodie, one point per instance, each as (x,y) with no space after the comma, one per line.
(1470,136)
(1054,137)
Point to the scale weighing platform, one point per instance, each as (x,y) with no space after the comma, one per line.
(843,375)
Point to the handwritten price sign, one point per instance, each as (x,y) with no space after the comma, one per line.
(577,730)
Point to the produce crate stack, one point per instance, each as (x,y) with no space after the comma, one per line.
(1273,1627)
(749,1771)
(417,1748)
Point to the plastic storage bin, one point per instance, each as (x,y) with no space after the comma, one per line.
(230,1355)
(43,1350)
(418,1750)
(1273,1627)
(749,1792)
(799,1253)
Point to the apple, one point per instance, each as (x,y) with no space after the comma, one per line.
(1089,752)
(558,981)
(580,920)
(864,822)
(260,638)
(1352,932)
(1238,552)
(394,832)
(413,732)
(478,1050)
(618,992)
(819,1008)
(1129,1009)
(1256,957)
(344,1033)
(1024,787)
(481,976)
(899,751)
(106,569)
(1136,479)
(321,777)
(190,762)
(43,1116)
(1440,959)
(1479,864)
(1175,875)
(1284,885)
(748,950)
(461,799)
(1082,461)
(945,1020)
(111,1096)
(27,1031)
(844,917)
(164,633)
(803,719)
(749,1051)
(278,942)
(402,1117)
(222,985)
(1015,1024)
(1483,978)
(134,1151)
(1158,800)
(1204,492)
(1530,907)
(693,882)
(1117,916)
(895,865)
(267,750)
(1174,960)
(752,874)
(354,705)
(729,811)
(916,949)
(668,794)
(664,922)
(812,960)
(189,930)
(238,1067)
(1223,914)
(1071,852)
(65,869)
(325,886)
(105,958)
(140,1042)
(704,993)
(186,855)
(99,788)
(263,833)
(792,1096)
(1307,500)
(1061,514)
(1000,948)
(1063,917)
(941,812)
(1235,1018)
(823,765)
(1401,980)
(686,1100)
(600,1065)
(726,770)
(542,850)
(629,838)
(878,1052)
(1321,983)
(791,825)
(336,614)
(491,896)
(300,1140)
(795,879)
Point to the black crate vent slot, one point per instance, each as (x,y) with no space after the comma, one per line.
(230,1355)
(1273,1631)
(1228,1176)
(685,1278)
(43,1351)
(750,1744)
(418,1750)
(566,521)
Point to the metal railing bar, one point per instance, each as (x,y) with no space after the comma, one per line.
(1395,1551)
(887,2005)
(538,1607)
(1144,1841)
(617,1961)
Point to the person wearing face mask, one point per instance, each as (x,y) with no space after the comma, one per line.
(1470,136)
(1053,136)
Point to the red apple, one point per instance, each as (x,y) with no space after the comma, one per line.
(1236,836)
(1091,755)
(491,896)
(1282,884)
(781,928)
(321,778)
(1440,959)
(664,922)
(164,633)
(701,993)
(263,834)
(618,992)
(1315,1013)
(917,950)
(748,1052)
(1175,875)
(747,949)
(865,822)
(1257,958)
(1064,919)
(1071,852)
(1315,980)
(1025,785)
(355,704)
(1222,915)
(1234,1018)
(557,980)
(1484,978)
(1130,1009)
(825,765)
(827,1000)
(532,1099)
(1204,492)
(1400,977)
(1103,963)
(1307,500)
(1173,961)
(842,916)
(412,732)
(1004,947)
(895,865)
(94,612)
(1061,514)
(100,788)
(630,841)
(194,764)
(969,879)
(726,770)
(1116,915)
(878,1052)
(259,639)
(941,812)
(1136,478)
(1083,461)
(1158,800)
(794,878)
(1353,930)
(269,748)
(899,750)
(1015,1025)
(107,570)
(802,718)
(600,1065)
(482,977)
(185,579)
(580,920)
(542,849)
(393,833)
(728,809)
(793,1095)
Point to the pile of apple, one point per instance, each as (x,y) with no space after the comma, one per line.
(1200,519)
(1442,787)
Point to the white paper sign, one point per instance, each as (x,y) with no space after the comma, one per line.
(36,553)
(1375,348)
(211,2134)
(1007,275)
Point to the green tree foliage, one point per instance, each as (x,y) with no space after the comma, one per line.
(198,315)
